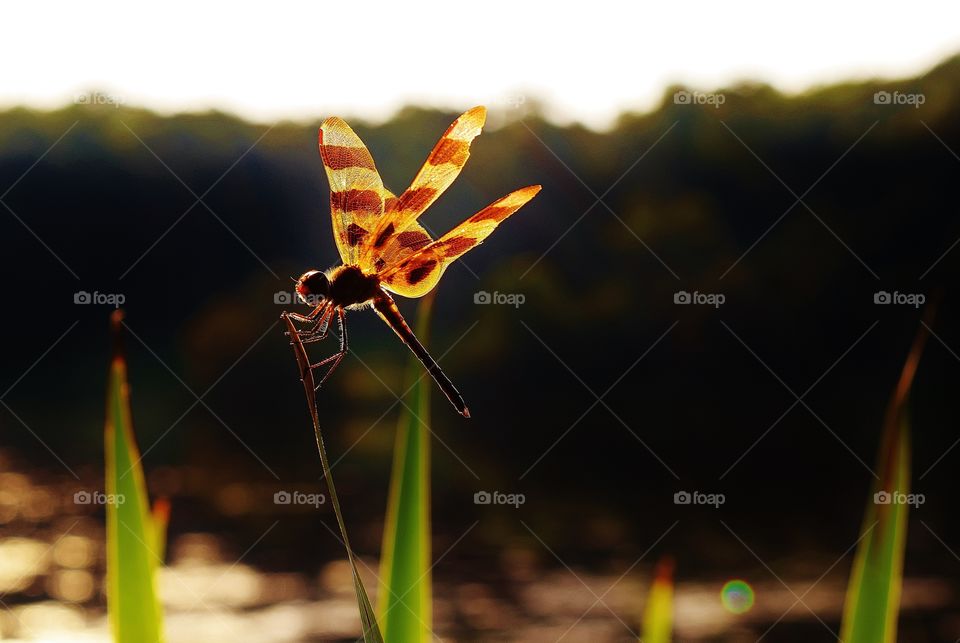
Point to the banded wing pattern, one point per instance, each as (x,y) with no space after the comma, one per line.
(356,189)
(418,273)
(441,168)
(395,247)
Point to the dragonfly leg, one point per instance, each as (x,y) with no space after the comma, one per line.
(319,318)
(306,319)
(318,332)
(335,359)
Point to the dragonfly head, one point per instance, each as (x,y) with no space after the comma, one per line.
(313,287)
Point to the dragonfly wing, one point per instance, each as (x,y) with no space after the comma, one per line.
(417,274)
(356,189)
(441,168)
(395,247)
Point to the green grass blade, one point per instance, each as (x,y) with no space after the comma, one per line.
(405,605)
(658,614)
(135,613)
(368,619)
(873,594)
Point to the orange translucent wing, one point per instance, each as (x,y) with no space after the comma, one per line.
(394,248)
(356,190)
(417,274)
(442,167)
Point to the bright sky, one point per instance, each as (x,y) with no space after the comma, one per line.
(587,60)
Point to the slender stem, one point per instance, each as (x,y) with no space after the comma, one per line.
(306,376)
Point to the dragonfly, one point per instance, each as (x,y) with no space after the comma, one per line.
(383,248)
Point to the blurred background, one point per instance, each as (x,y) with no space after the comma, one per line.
(714,292)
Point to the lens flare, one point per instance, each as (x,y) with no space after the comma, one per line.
(737,596)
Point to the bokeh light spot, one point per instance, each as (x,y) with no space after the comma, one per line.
(737,596)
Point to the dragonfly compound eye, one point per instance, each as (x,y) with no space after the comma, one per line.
(312,286)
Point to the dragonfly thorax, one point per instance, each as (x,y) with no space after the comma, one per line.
(344,286)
